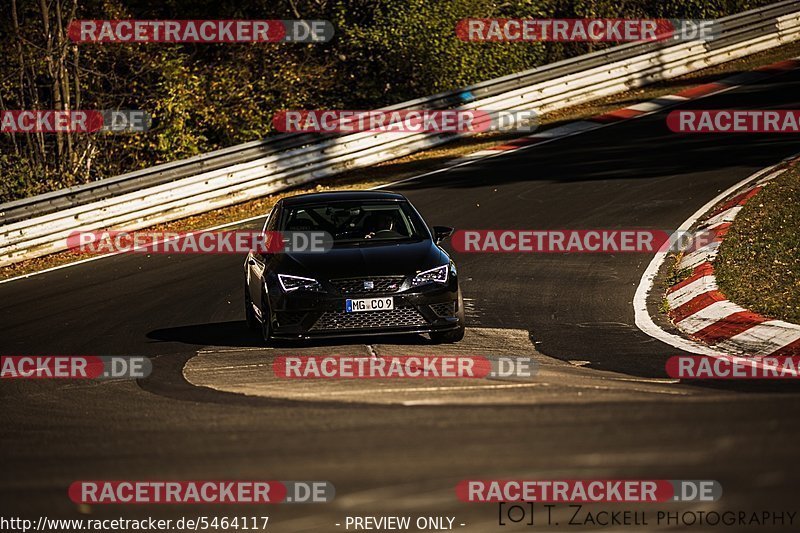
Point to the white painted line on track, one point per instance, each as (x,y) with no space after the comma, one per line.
(706,254)
(709,315)
(457,388)
(726,216)
(213,369)
(692,290)
(765,338)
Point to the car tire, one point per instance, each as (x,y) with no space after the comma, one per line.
(455,335)
(249,314)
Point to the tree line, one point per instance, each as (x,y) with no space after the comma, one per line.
(207,96)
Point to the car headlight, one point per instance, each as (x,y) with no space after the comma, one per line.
(293,283)
(434,275)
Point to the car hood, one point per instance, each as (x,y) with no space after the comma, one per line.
(366,260)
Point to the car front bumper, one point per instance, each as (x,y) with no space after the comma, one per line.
(307,315)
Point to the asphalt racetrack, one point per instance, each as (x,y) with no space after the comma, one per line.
(601,406)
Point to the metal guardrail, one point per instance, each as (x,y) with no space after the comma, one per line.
(39,225)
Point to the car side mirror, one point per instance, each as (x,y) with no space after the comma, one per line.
(440,233)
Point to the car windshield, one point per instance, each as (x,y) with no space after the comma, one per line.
(358,221)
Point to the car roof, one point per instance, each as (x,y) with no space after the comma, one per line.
(340,196)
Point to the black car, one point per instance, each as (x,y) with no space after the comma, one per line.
(385,272)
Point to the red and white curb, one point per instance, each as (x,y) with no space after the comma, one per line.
(699,309)
(634,111)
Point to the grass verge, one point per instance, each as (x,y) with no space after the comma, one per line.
(758,266)
(674,276)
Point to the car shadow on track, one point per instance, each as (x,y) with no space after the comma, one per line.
(236,334)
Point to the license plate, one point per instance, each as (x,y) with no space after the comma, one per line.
(369,304)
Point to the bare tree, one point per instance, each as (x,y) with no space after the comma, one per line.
(48,77)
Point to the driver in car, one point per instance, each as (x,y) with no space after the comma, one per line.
(380,225)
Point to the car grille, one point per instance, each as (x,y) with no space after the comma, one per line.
(290,318)
(395,318)
(444,309)
(376,285)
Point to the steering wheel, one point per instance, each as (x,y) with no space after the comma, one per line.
(381,233)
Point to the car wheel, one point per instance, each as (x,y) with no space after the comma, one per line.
(249,314)
(455,335)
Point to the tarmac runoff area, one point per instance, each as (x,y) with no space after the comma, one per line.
(251,371)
